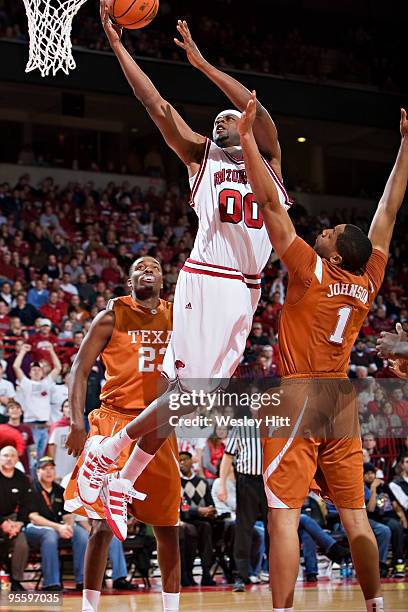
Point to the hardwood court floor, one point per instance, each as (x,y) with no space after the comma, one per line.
(327,596)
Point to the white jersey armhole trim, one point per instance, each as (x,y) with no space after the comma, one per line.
(111,304)
(319,269)
(198,177)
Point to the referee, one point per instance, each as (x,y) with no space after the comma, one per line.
(244,443)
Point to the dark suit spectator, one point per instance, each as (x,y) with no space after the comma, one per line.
(15,492)
(197,514)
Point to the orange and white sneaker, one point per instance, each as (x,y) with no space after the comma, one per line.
(116,494)
(93,470)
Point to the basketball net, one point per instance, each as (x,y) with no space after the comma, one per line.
(49,27)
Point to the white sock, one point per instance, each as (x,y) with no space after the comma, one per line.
(90,600)
(375,605)
(283,610)
(136,463)
(112,447)
(171,602)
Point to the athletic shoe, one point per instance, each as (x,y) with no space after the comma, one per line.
(121,584)
(52,588)
(311,577)
(338,553)
(16,586)
(116,494)
(264,576)
(93,470)
(255,579)
(238,586)
(399,569)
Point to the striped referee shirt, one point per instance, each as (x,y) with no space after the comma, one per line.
(245,443)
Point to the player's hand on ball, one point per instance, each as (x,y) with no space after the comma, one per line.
(248,116)
(194,55)
(76,440)
(112,31)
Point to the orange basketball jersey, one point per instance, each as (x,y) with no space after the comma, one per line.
(324,310)
(134,355)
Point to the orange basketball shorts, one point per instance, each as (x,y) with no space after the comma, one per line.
(319,450)
(160,480)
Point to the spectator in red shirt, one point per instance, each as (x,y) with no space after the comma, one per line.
(113,274)
(41,341)
(25,366)
(15,413)
(213,452)
(7,270)
(381,322)
(399,404)
(71,348)
(54,310)
(268,318)
(4,317)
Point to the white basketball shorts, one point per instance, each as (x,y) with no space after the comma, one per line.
(212,318)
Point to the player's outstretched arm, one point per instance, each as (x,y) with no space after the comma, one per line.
(188,145)
(92,345)
(277,221)
(266,134)
(383,223)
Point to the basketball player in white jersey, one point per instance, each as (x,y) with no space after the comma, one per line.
(219,287)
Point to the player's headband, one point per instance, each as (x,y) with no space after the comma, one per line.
(233,112)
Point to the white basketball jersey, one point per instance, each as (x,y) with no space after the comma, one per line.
(231,231)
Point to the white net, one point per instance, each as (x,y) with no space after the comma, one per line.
(49,27)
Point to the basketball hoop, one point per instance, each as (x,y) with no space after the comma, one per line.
(49,27)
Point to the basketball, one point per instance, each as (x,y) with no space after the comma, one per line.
(134,14)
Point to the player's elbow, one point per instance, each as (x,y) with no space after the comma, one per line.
(155,105)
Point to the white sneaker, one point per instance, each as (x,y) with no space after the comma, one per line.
(264,576)
(116,494)
(93,470)
(255,579)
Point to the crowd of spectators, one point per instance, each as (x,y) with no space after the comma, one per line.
(355,48)
(64,252)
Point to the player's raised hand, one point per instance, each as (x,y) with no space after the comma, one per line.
(388,343)
(399,367)
(193,53)
(248,116)
(404,124)
(112,31)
